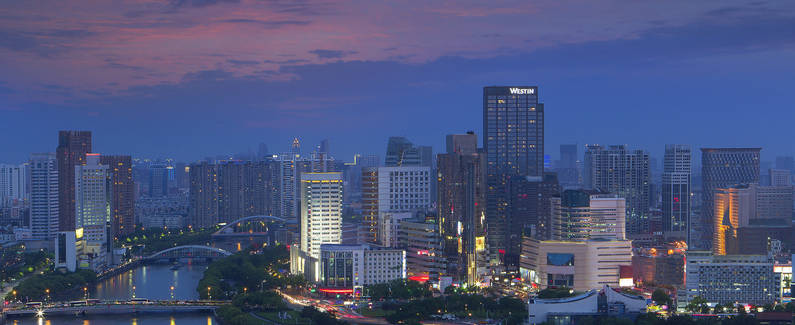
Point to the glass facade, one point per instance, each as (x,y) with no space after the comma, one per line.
(513,125)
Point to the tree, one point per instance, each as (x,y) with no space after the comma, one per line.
(660,297)
(551,293)
(698,305)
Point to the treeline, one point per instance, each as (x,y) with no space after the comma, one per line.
(62,286)
(510,310)
(398,289)
(654,319)
(245,271)
(157,239)
(238,313)
(16,267)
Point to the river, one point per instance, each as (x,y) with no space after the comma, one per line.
(149,281)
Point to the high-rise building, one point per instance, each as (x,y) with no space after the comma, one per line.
(743,212)
(43,195)
(321,211)
(721,168)
(93,208)
(584,215)
(619,170)
(423,245)
(388,190)
(203,194)
(461,206)
(122,192)
(530,210)
(568,173)
(13,184)
(158,180)
(401,152)
(676,191)
(72,149)
(287,176)
(228,191)
(780,177)
(513,123)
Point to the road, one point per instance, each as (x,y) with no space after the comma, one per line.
(298,302)
(10,286)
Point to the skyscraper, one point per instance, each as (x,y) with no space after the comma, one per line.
(461,207)
(228,191)
(158,180)
(530,210)
(72,149)
(321,211)
(722,168)
(203,194)
(43,195)
(618,170)
(676,191)
(122,192)
(513,123)
(13,183)
(92,208)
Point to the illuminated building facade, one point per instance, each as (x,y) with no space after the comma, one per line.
(321,211)
(743,279)
(43,195)
(676,192)
(752,215)
(513,122)
(389,190)
(423,246)
(93,211)
(356,266)
(122,191)
(580,215)
(461,204)
(722,168)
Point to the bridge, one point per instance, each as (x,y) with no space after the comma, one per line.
(250,231)
(115,307)
(188,251)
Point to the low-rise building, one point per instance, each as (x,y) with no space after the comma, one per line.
(594,303)
(351,267)
(581,265)
(745,279)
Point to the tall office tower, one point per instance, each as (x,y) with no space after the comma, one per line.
(13,184)
(460,210)
(401,152)
(568,173)
(158,180)
(203,194)
(321,211)
(624,172)
(387,190)
(122,193)
(722,168)
(288,174)
(513,122)
(676,191)
(780,177)
(43,195)
(529,211)
(93,206)
(72,149)
(752,215)
(580,215)
(785,162)
(244,190)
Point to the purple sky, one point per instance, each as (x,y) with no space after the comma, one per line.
(189,79)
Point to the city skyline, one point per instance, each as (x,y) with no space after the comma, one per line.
(199,78)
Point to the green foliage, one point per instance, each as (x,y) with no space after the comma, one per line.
(232,274)
(260,301)
(698,305)
(18,264)
(551,293)
(62,286)
(511,310)
(660,297)
(232,315)
(398,289)
(157,239)
(319,318)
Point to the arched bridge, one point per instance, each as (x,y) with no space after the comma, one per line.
(189,251)
(247,226)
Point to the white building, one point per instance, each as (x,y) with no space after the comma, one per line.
(745,279)
(13,183)
(43,195)
(66,250)
(321,220)
(355,266)
(582,215)
(570,310)
(398,189)
(92,210)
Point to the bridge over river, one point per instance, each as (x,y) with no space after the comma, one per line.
(113,308)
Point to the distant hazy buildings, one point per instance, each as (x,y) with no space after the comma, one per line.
(401,152)
(624,172)
(513,122)
(567,169)
(722,168)
(676,188)
(43,195)
(13,184)
(72,149)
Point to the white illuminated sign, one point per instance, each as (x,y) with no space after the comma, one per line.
(522,91)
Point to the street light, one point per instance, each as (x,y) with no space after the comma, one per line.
(48,293)
(15,295)
(245,290)
(208,294)
(85,292)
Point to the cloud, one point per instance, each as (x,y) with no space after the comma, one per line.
(242,62)
(331,54)
(199,3)
(269,24)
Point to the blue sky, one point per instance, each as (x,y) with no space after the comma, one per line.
(190,79)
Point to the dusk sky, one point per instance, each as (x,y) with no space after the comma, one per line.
(194,78)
